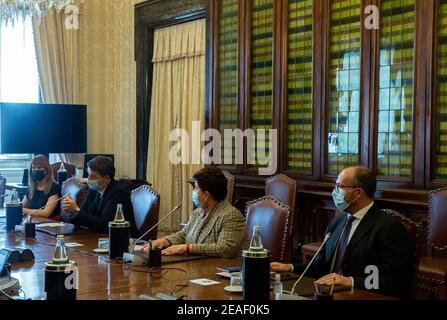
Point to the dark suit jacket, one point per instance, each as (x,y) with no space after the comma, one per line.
(379,240)
(96,212)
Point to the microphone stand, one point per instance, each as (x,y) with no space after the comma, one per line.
(135,260)
(292,295)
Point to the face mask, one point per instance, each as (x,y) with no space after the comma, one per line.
(38,175)
(339,199)
(93,185)
(195,199)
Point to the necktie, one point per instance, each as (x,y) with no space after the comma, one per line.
(343,244)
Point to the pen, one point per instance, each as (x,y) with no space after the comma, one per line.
(332,287)
(318,288)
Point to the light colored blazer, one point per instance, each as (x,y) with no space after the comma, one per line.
(224,235)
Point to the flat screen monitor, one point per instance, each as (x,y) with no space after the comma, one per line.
(42,128)
(90,156)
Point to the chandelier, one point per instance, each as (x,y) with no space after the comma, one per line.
(11,10)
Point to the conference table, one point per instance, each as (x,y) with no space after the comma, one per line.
(102,279)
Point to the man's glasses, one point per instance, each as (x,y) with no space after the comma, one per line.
(338,186)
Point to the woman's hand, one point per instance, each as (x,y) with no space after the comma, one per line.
(174,250)
(280,267)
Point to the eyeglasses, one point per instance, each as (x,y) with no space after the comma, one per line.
(337,187)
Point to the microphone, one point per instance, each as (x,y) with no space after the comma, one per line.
(137,260)
(292,295)
(42,208)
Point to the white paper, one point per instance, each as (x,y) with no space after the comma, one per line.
(51,224)
(205,282)
(138,247)
(224,274)
(74,244)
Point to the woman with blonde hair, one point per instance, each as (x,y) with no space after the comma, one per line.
(43,190)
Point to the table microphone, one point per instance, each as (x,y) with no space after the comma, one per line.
(292,295)
(137,260)
(42,208)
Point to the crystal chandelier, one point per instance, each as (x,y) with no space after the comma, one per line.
(11,10)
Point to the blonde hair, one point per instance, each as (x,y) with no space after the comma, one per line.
(40,161)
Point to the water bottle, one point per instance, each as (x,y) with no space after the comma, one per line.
(61,175)
(119,234)
(277,285)
(119,215)
(60,274)
(60,255)
(14,196)
(256,242)
(256,269)
(14,211)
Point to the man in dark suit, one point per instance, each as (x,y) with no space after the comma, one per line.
(361,235)
(105,194)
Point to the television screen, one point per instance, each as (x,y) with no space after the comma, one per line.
(43,128)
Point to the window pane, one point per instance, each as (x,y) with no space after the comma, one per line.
(441,95)
(344,91)
(19,82)
(262,14)
(397,21)
(227,64)
(299,94)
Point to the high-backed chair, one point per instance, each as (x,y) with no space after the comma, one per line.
(433,268)
(284,188)
(77,191)
(2,190)
(146,204)
(71,169)
(273,216)
(413,232)
(230,186)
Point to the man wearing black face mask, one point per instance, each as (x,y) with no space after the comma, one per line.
(361,235)
(105,194)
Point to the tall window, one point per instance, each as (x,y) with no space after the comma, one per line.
(344,84)
(261,63)
(299,88)
(395,118)
(19,82)
(441,95)
(228,38)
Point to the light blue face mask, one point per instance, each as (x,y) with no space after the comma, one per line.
(93,185)
(195,199)
(339,199)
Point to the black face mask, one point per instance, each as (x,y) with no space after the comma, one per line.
(38,175)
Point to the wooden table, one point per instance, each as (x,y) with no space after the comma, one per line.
(100,279)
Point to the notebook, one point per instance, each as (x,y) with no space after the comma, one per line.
(59,228)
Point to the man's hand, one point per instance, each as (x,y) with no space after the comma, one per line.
(174,250)
(157,244)
(338,279)
(69,205)
(280,267)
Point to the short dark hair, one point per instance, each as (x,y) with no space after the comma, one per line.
(103,165)
(365,178)
(212,179)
